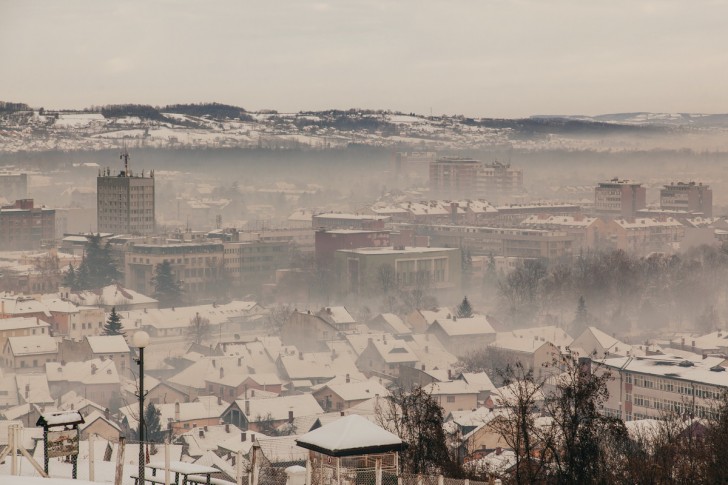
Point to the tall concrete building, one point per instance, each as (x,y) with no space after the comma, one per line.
(619,198)
(125,201)
(24,226)
(688,197)
(454,177)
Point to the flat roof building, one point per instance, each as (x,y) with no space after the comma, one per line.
(125,201)
(687,197)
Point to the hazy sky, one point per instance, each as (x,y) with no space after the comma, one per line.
(474,57)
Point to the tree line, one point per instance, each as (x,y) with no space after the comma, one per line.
(618,289)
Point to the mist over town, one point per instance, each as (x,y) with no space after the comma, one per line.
(261,278)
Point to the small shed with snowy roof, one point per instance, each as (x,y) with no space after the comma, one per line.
(351,448)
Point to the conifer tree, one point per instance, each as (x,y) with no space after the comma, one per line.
(153,432)
(70,279)
(113,324)
(464,309)
(167,289)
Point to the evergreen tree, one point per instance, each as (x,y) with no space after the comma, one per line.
(167,289)
(464,309)
(581,319)
(98,268)
(153,432)
(113,324)
(70,279)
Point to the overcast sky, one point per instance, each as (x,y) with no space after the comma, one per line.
(504,58)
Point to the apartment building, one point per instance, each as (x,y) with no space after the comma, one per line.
(619,198)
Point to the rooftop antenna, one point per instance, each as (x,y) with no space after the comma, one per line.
(125,156)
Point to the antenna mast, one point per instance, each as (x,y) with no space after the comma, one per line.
(125,156)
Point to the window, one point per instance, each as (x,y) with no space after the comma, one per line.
(450,398)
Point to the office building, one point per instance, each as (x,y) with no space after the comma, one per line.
(687,197)
(125,201)
(619,198)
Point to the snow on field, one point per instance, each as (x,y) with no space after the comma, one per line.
(78,119)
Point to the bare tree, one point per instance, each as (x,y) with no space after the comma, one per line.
(199,329)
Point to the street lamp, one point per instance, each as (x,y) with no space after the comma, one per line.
(141,340)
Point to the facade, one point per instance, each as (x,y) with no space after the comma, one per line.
(199,266)
(125,202)
(328,242)
(29,353)
(498,180)
(650,387)
(644,235)
(338,220)
(358,270)
(500,241)
(687,197)
(619,198)
(24,226)
(454,177)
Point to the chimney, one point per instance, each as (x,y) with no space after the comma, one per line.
(449,374)
(219,400)
(348,379)
(290,416)
(341,413)
(300,356)
(247,408)
(252,437)
(93,369)
(27,391)
(201,433)
(214,364)
(243,437)
(176,411)
(240,361)
(227,427)
(423,366)
(222,372)
(498,450)
(107,413)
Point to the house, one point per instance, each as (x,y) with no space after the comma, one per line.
(384,356)
(181,417)
(455,395)
(533,353)
(33,389)
(29,353)
(99,424)
(595,342)
(339,317)
(95,379)
(420,320)
(307,331)
(257,414)
(315,367)
(71,320)
(389,323)
(22,327)
(479,381)
(340,396)
(462,336)
(111,347)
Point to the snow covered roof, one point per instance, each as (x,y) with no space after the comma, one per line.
(337,315)
(450,388)
(111,295)
(278,407)
(357,391)
(475,325)
(18,323)
(349,436)
(108,344)
(20,305)
(395,323)
(60,418)
(89,372)
(667,366)
(33,344)
(33,388)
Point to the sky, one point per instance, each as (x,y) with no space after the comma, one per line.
(480,58)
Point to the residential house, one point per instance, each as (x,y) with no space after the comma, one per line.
(181,417)
(22,327)
(340,396)
(29,353)
(257,414)
(307,331)
(455,395)
(462,336)
(383,356)
(99,424)
(111,347)
(97,380)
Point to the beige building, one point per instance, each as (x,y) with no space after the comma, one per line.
(644,235)
(25,354)
(619,198)
(455,395)
(21,327)
(125,201)
(198,265)
(650,387)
